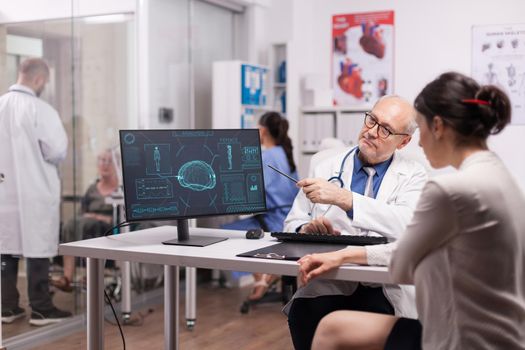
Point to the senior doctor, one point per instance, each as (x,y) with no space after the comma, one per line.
(33,142)
(369,190)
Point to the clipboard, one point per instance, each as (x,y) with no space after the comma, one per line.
(291,250)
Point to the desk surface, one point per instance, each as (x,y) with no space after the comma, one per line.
(146,246)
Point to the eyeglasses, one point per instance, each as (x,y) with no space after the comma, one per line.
(382,131)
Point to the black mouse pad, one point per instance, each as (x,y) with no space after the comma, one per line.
(291,250)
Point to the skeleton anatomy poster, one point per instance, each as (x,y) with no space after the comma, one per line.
(498,58)
(362,57)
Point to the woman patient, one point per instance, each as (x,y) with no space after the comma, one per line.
(95,215)
(280,192)
(465,247)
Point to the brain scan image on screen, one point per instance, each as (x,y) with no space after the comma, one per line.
(190,173)
(197,176)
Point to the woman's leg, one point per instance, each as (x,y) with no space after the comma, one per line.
(353,330)
(70,234)
(69,267)
(262,283)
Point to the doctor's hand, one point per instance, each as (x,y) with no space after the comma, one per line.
(321,191)
(314,265)
(319,225)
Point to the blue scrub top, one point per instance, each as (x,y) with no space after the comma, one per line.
(280,192)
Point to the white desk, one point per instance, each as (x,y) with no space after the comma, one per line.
(145,246)
(116,200)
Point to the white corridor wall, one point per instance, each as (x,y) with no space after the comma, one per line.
(431,37)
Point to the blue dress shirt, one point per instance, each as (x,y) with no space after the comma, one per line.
(359,177)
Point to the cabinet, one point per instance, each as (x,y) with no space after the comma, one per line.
(318,123)
(240,94)
(278,62)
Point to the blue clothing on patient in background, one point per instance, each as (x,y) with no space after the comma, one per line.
(280,193)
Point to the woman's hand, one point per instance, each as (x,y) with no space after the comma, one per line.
(100,217)
(314,265)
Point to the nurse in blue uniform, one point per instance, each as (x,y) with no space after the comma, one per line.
(280,191)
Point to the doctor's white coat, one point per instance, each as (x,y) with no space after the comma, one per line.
(32,143)
(386,215)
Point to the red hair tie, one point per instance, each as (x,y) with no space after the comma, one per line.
(476,101)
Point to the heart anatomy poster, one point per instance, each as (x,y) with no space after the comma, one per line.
(362,57)
(498,58)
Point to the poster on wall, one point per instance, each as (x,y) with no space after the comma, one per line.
(362,57)
(498,58)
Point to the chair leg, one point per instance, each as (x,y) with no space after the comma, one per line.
(288,289)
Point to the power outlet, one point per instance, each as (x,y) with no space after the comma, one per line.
(165,115)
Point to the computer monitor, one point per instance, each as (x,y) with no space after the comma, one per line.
(182,174)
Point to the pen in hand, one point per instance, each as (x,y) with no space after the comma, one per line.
(295,181)
(283,174)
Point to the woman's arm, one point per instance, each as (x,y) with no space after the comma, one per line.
(314,265)
(433,224)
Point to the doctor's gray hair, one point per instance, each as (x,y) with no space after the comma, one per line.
(412,125)
(33,67)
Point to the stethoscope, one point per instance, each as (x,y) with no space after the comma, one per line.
(336,179)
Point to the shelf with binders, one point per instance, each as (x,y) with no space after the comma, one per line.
(241,94)
(250,115)
(320,123)
(278,64)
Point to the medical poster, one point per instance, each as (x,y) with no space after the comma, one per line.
(498,58)
(362,57)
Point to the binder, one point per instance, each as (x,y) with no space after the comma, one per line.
(324,128)
(309,136)
(291,250)
(349,124)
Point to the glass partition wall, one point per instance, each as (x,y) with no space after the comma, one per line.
(149,68)
(92,81)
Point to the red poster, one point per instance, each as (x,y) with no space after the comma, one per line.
(362,57)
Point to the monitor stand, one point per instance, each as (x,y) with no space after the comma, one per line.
(184,238)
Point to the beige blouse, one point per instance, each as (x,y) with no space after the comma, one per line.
(465,253)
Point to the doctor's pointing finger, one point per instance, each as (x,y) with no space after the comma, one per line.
(321,191)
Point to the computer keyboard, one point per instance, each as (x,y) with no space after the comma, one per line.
(324,238)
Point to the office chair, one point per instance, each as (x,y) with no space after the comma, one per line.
(288,284)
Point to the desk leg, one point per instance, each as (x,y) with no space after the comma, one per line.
(95,304)
(191,297)
(126,292)
(171,304)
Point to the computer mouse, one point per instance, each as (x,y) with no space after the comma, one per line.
(255,233)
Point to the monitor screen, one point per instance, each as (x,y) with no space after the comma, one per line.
(179,174)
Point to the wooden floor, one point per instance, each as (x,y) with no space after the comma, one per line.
(219,326)
(64,301)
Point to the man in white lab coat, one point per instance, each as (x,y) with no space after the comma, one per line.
(32,142)
(373,191)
